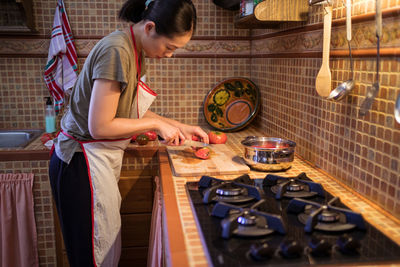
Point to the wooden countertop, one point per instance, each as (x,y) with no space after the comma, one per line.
(184,247)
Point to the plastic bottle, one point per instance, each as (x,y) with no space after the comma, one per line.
(50,116)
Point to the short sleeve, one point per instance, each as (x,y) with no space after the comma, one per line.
(112,63)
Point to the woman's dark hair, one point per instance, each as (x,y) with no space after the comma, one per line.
(171,17)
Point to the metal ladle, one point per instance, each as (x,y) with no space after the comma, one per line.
(397,109)
(345,87)
(374,89)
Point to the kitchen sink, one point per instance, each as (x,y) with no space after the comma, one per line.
(18,138)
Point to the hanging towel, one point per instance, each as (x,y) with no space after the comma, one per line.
(61,70)
(18,237)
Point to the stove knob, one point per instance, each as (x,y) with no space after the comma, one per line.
(319,247)
(347,244)
(261,252)
(290,249)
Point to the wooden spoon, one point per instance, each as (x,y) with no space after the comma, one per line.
(323,80)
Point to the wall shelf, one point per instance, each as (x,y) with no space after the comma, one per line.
(251,22)
(272,13)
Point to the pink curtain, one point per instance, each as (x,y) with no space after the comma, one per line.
(154,258)
(18,238)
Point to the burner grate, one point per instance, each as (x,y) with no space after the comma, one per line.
(240,190)
(300,186)
(325,217)
(248,221)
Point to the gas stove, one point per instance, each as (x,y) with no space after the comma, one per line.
(282,221)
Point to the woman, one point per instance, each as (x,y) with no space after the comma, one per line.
(109,104)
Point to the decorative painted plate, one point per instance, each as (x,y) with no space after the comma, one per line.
(232,104)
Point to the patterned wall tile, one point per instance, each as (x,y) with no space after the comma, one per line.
(362,152)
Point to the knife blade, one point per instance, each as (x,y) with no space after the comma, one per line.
(194,143)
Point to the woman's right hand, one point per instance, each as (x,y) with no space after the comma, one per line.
(171,134)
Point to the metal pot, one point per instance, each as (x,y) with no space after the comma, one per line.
(268,153)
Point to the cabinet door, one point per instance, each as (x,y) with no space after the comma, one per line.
(137,194)
(136,257)
(135,230)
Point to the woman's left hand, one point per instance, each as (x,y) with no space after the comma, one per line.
(190,130)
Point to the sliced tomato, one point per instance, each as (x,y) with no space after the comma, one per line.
(195,138)
(202,153)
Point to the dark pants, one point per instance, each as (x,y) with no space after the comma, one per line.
(71,191)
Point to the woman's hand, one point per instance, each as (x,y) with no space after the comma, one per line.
(171,134)
(190,130)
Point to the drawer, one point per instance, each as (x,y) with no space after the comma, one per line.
(135,230)
(137,194)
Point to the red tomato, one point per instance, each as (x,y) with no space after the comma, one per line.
(217,137)
(195,138)
(142,139)
(151,135)
(202,153)
(133,139)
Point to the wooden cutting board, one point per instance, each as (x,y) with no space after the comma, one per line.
(222,161)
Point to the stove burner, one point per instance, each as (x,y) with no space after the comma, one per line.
(292,187)
(248,222)
(228,189)
(328,215)
(247,218)
(325,217)
(240,190)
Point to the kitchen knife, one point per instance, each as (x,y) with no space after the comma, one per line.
(194,143)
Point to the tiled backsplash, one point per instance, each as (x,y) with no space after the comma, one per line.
(362,152)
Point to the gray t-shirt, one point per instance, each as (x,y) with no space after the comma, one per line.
(111,58)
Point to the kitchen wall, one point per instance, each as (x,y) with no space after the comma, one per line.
(362,152)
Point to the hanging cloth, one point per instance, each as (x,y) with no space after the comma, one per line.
(61,70)
(18,237)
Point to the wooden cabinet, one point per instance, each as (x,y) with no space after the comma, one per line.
(136,188)
(272,13)
(137,202)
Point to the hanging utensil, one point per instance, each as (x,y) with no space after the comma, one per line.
(374,89)
(345,87)
(397,109)
(323,80)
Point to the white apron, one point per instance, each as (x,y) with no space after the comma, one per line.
(104,162)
